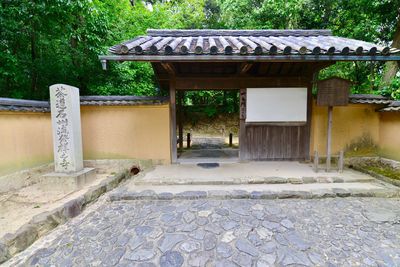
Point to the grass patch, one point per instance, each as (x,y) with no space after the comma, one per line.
(385,171)
(363,146)
(362,152)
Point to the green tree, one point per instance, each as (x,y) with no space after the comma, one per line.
(51,41)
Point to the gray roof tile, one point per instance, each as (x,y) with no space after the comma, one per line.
(394,106)
(246,42)
(21,105)
(368,99)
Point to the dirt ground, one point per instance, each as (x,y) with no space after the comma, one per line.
(17,207)
(220,126)
(212,131)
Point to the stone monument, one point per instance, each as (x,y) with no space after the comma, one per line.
(67,139)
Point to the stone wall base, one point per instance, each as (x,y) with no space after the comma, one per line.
(68,181)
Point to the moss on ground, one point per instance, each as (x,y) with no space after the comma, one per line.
(384,170)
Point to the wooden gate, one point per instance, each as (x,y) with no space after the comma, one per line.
(273,142)
(264,142)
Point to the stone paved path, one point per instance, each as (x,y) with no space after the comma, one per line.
(293,232)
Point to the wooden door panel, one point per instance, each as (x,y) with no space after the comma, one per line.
(267,142)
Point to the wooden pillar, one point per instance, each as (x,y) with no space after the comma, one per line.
(329,139)
(307,142)
(242,128)
(172,106)
(180,118)
(188,139)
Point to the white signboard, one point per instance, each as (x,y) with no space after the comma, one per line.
(276,104)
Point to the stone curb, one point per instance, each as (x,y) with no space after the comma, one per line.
(39,225)
(242,194)
(260,180)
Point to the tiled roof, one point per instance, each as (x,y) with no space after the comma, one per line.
(368,99)
(122,100)
(10,104)
(246,42)
(394,106)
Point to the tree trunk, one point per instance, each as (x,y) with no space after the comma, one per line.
(180,118)
(392,67)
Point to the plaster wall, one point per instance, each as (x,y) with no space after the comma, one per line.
(142,132)
(353,126)
(139,132)
(108,132)
(389,131)
(25,140)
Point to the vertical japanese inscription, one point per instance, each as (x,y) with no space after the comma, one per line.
(66,124)
(243,104)
(63,135)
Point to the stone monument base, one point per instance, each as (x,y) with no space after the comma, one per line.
(68,181)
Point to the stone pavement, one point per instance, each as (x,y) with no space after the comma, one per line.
(208,154)
(241,232)
(246,172)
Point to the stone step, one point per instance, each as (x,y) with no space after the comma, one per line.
(256,180)
(255,191)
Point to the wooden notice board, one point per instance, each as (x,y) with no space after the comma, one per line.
(333,92)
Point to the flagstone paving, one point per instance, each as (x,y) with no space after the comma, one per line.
(244,232)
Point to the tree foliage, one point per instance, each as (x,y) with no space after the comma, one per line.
(58,41)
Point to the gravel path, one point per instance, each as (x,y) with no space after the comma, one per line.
(292,232)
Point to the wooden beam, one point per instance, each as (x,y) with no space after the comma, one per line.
(285,69)
(279,69)
(203,83)
(290,69)
(180,95)
(264,68)
(156,74)
(169,67)
(172,109)
(244,67)
(307,142)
